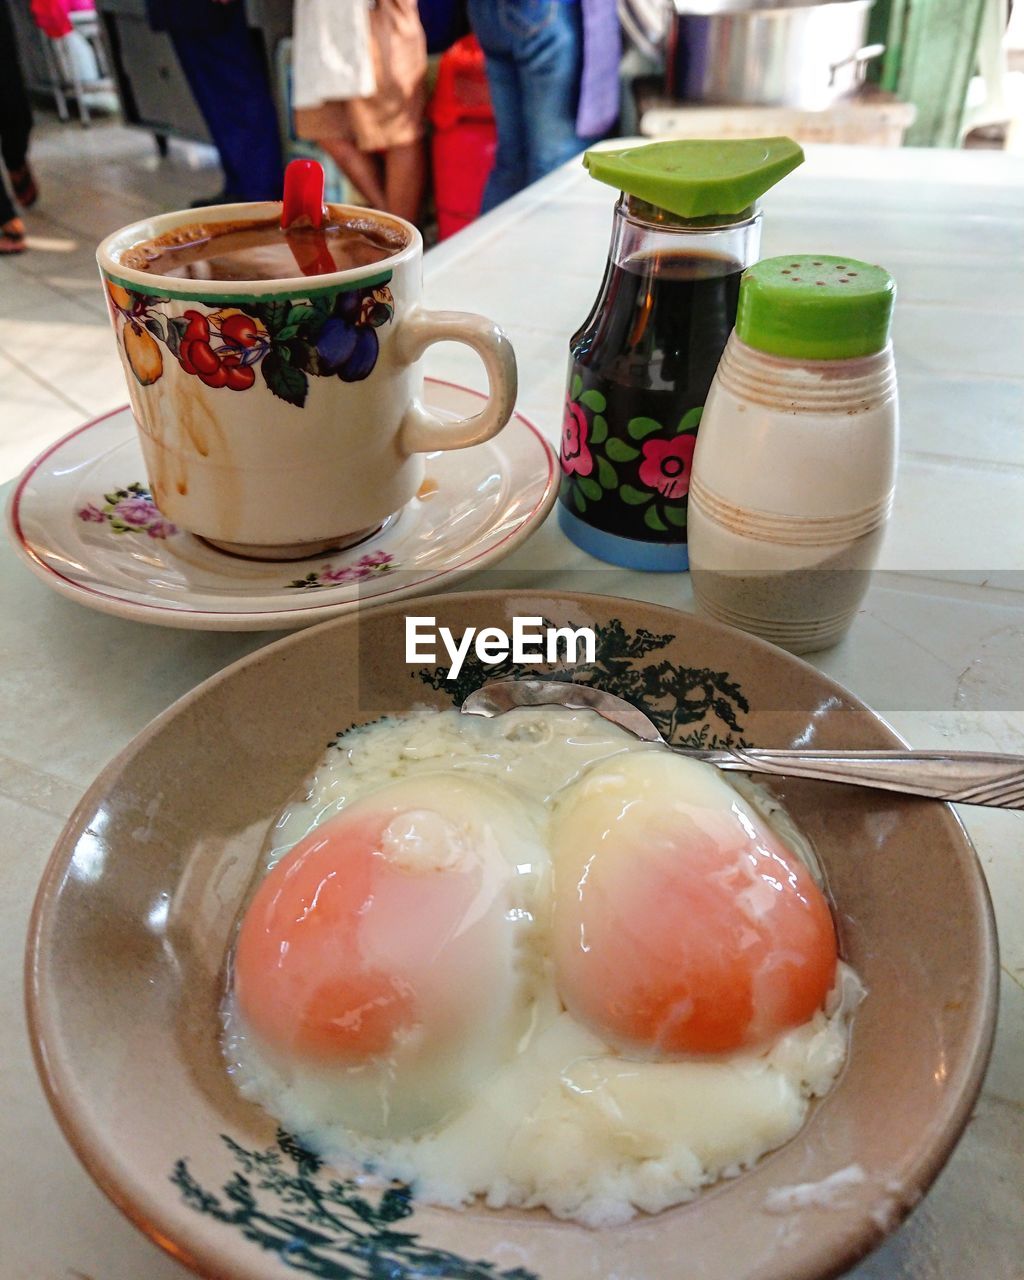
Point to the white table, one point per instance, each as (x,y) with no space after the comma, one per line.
(938,648)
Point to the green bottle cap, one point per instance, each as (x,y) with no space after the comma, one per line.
(695,177)
(814,306)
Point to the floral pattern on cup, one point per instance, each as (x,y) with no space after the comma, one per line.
(129,510)
(648,466)
(287,340)
(372,565)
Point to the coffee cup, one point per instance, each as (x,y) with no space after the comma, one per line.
(280,418)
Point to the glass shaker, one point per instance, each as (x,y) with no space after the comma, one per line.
(685,226)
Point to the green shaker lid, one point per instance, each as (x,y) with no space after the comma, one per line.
(815,306)
(695,177)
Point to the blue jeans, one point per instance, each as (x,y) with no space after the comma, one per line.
(228,79)
(534,51)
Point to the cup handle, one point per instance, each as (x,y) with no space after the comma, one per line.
(423,431)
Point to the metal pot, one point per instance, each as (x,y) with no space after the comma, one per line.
(767,52)
(645,26)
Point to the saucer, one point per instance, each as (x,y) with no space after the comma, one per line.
(83,520)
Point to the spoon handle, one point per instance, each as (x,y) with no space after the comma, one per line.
(969,777)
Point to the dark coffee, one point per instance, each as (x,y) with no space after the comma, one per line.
(649,349)
(260,250)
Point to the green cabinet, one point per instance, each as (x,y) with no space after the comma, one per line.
(931,50)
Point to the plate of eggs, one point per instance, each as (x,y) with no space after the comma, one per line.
(327,978)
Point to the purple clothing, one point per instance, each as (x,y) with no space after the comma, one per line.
(599,87)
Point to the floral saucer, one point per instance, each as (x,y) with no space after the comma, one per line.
(84,522)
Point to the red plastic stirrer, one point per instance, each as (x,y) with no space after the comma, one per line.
(303,194)
(303,209)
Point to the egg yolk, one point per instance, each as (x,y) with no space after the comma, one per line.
(683,929)
(343,952)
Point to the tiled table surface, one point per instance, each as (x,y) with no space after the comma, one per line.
(938,648)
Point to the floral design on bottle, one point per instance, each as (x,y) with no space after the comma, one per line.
(287,340)
(645,467)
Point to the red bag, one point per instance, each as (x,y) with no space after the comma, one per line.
(464,139)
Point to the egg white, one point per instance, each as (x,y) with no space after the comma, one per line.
(535,1110)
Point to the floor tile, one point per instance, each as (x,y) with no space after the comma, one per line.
(21,291)
(34,416)
(76,357)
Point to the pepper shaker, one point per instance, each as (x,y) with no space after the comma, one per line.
(795,465)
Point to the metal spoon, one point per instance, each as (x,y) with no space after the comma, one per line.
(968,777)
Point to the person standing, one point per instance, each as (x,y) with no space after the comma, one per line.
(15,127)
(553,72)
(223,62)
(359,88)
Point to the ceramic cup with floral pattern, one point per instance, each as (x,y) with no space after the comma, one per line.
(254,436)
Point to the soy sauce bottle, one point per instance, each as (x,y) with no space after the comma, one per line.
(685,227)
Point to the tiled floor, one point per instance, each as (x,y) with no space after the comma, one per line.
(58,364)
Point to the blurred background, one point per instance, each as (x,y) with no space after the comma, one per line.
(114,109)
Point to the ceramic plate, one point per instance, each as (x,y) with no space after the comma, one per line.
(83,520)
(137,906)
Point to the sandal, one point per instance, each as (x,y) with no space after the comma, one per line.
(25,190)
(12,237)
